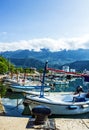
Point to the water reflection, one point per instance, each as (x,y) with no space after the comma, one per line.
(11,108)
(13,104)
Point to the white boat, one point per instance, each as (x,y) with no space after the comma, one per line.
(59,82)
(61,104)
(15,81)
(19,88)
(27,85)
(10,81)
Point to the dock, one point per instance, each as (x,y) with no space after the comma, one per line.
(20,123)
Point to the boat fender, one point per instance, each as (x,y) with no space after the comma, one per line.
(72,107)
(85,106)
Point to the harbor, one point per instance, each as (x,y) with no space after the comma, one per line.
(12,107)
(44,65)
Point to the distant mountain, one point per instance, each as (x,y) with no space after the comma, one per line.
(27,62)
(56,59)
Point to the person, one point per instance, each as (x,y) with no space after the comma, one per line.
(79,89)
(87,95)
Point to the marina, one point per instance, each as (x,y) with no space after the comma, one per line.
(20,94)
(69,104)
(44,65)
(15,106)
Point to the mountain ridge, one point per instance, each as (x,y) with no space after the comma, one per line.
(56,59)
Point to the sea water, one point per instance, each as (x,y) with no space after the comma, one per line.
(13,104)
(12,108)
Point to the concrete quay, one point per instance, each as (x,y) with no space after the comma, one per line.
(20,123)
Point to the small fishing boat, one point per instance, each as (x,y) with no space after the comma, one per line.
(19,88)
(60,104)
(59,82)
(15,81)
(24,85)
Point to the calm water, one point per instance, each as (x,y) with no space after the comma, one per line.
(12,109)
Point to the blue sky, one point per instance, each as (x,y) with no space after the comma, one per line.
(51,24)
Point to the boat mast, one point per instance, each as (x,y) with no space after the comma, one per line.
(42,86)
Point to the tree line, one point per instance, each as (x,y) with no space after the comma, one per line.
(6,66)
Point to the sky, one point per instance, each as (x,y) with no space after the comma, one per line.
(49,24)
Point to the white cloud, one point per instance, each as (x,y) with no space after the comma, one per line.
(48,43)
(3,33)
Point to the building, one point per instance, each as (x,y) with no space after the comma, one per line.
(66,68)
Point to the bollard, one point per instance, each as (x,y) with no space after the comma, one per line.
(41,114)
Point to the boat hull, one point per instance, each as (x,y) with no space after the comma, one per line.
(19,88)
(59,108)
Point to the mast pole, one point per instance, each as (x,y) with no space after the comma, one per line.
(42,86)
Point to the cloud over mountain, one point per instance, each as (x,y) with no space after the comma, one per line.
(48,43)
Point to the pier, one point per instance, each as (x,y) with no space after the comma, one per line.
(15,123)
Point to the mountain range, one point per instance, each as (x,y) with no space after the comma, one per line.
(76,59)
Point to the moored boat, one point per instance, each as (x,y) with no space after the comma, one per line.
(61,104)
(19,88)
